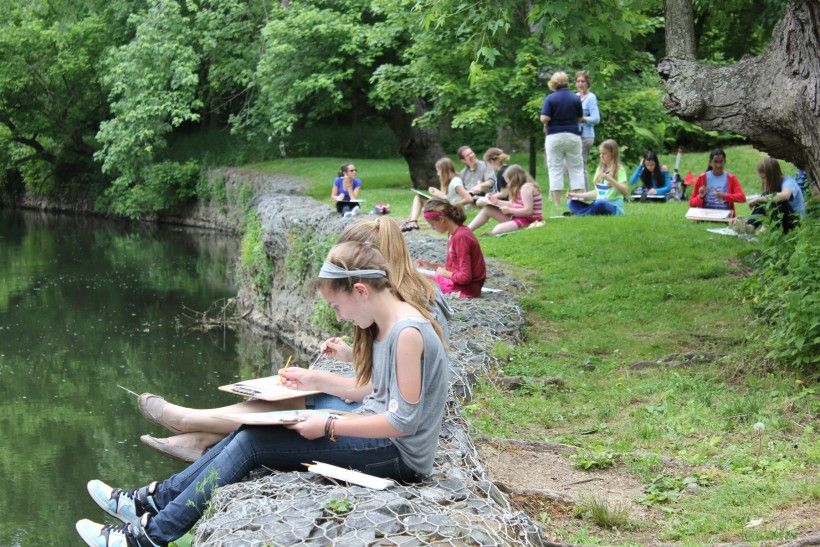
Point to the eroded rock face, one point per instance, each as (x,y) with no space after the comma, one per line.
(458,505)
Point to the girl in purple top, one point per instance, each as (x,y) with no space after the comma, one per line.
(345,190)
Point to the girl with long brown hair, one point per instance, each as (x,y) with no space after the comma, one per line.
(523,209)
(400,385)
(452,189)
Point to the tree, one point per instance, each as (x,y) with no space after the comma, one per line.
(772,99)
(319,60)
(486,64)
(50,96)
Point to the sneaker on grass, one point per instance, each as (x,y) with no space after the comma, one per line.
(119,535)
(126,505)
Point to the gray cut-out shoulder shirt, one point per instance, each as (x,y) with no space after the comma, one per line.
(421,421)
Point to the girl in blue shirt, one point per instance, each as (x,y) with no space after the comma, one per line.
(653,176)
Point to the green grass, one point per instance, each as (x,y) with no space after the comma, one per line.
(606,292)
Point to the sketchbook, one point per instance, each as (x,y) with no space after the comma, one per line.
(649,197)
(348,475)
(265,389)
(709,215)
(280,417)
(422,193)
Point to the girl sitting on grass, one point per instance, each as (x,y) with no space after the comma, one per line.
(781,200)
(345,190)
(400,381)
(717,188)
(524,209)
(653,176)
(464,270)
(610,186)
(452,189)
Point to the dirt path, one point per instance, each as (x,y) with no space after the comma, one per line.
(544,484)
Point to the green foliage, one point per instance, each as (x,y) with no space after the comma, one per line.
(317,59)
(338,506)
(668,488)
(50,95)
(185,541)
(306,251)
(162,185)
(603,514)
(323,317)
(717,24)
(205,488)
(785,294)
(253,261)
(245,195)
(153,83)
(593,459)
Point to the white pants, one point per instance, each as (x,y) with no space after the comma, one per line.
(564,150)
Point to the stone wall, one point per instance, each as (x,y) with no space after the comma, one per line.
(458,505)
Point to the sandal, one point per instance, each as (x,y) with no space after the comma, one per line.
(151,407)
(409,225)
(187,455)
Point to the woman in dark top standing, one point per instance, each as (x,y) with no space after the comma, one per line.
(561,113)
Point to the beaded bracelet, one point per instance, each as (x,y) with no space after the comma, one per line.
(330,432)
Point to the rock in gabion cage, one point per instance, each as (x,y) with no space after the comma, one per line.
(457,505)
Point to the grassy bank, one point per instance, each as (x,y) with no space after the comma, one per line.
(604,293)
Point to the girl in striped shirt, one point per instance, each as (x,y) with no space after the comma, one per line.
(524,208)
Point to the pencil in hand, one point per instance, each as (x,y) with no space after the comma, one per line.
(287,364)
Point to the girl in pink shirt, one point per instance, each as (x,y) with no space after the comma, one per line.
(524,208)
(464,270)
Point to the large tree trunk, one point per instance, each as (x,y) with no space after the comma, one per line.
(419,146)
(773,99)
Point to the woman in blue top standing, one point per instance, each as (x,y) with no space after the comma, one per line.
(589,106)
(561,113)
(346,190)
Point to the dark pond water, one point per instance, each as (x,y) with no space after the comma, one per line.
(86,305)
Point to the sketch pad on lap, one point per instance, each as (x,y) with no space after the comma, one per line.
(279,417)
(265,389)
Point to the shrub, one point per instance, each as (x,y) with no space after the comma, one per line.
(593,459)
(253,261)
(785,294)
(158,187)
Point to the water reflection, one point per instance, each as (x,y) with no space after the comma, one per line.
(86,305)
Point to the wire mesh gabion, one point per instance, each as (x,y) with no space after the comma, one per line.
(457,505)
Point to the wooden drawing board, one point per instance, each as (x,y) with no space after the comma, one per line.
(265,389)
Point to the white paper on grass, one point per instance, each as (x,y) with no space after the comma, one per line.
(723,231)
(714,215)
(348,475)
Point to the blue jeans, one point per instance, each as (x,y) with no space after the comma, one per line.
(597,207)
(183,497)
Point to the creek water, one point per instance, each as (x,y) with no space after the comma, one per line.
(87,305)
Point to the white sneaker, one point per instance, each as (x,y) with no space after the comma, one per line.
(355,211)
